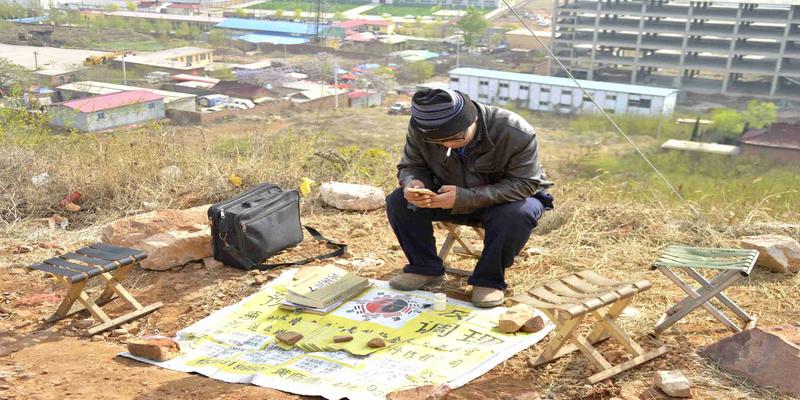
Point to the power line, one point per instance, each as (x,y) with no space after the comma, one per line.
(605,114)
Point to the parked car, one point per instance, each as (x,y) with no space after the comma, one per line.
(400,108)
(244,102)
(234,106)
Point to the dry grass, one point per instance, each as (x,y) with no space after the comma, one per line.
(117,173)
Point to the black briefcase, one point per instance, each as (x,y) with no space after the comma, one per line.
(259,223)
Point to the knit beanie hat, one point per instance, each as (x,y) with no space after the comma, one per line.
(438,114)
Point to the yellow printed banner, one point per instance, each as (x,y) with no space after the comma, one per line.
(237,344)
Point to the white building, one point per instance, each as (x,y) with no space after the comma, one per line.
(562,95)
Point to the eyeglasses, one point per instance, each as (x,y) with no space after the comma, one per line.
(459,137)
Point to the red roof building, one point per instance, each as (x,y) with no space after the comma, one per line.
(367,25)
(109,101)
(107,111)
(779,141)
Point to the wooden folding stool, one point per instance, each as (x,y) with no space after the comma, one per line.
(454,233)
(733,264)
(567,301)
(100,259)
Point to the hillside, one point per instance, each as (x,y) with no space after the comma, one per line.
(611,216)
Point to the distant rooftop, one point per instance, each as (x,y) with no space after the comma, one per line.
(557,81)
(256,38)
(779,135)
(359,22)
(109,101)
(171,17)
(284,27)
(102,88)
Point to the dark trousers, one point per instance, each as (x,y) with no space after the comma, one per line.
(507,228)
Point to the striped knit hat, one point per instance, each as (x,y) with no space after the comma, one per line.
(439,114)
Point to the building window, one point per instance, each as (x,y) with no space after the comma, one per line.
(151,105)
(611,97)
(503,98)
(454,79)
(544,104)
(503,85)
(609,110)
(101,115)
(566,92)
(641,103)
(483,83)
(545,90)
(483,96)
(523,87)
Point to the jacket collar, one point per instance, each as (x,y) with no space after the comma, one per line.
(484,142)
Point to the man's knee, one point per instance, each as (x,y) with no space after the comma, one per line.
(395,201)
(517,214)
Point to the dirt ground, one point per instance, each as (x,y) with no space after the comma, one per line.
(57,361)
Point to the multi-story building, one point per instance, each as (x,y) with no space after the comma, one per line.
(749,48)
(483,4)
(562,95)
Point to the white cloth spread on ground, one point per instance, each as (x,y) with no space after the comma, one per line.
(237,344)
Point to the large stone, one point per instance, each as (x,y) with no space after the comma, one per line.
(766,356)
(349,196)
(156,349)
(673,383)
(169,237)
(427,392)
(778,253)
(515,318)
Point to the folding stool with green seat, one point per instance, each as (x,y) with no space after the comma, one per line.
(733,264)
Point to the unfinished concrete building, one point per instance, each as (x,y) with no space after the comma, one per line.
(727,47)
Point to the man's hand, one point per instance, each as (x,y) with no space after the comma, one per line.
(445,199)
(417,199)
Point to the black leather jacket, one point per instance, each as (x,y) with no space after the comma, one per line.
(502,166)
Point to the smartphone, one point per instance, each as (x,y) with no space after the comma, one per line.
(422,191)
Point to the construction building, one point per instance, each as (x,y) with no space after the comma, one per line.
(745,48)
(191,60)
(561,95)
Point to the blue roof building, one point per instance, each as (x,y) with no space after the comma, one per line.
(277,32)
(562,95)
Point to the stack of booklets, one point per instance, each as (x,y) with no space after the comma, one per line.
(323,290)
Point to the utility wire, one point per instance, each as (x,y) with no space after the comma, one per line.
(605,114)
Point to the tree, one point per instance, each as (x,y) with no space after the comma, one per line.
(240,12)
(279,13)
(112,7)
(417,71)
(182,30)
(298,13)
(217,38)
(11,74)
(339,16)
(760,113)
(727,122)
(474,25)
(130,5)
(145,26)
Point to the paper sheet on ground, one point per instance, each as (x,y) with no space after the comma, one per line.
(237,344)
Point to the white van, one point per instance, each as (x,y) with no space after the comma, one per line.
(242,102)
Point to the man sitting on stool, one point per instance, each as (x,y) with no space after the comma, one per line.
(483,163)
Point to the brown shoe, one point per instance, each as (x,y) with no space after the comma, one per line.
(409,281)
(485,297)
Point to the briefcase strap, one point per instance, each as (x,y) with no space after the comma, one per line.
(341,248)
